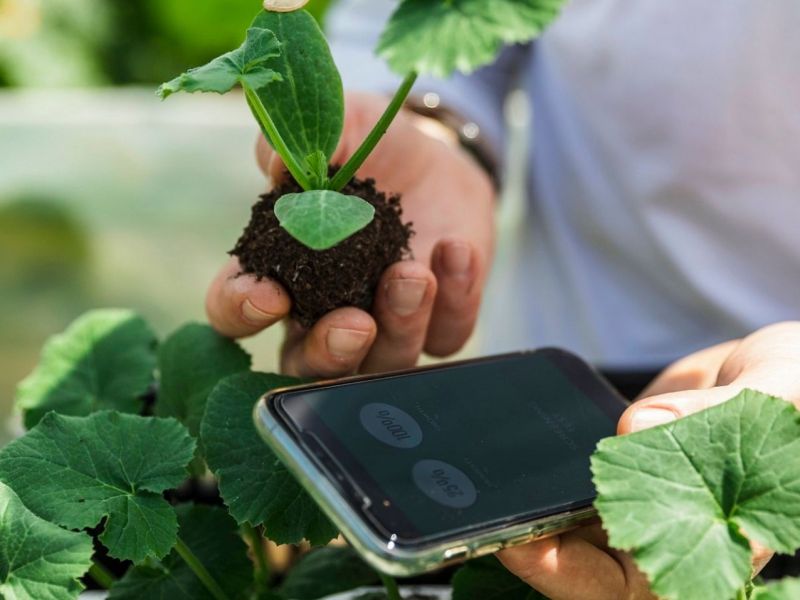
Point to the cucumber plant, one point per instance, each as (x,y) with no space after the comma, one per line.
(294,90)
(101,461)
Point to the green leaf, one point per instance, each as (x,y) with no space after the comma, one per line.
(254,484)
(678,496)
(77,471)
(437,37)
(104,360)
(325,572)
(191,362)
(307,104)
(213,538)
(38,560)
(248,62)
(320,219)
(317,168)
(487,579)
(785,589)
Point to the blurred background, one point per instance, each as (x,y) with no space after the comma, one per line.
(109,197)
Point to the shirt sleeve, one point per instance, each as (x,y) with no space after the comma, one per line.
(353,28)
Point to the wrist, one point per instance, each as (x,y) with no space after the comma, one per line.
(447,125)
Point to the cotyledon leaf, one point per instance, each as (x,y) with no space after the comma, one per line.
(320,219)
(38,560)
(681,497)
(437,37)
(104,360)
(307,104)
(77,471)
(255,485)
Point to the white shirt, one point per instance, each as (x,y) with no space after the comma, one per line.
(664,184)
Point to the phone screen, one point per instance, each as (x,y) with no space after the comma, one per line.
(449,449)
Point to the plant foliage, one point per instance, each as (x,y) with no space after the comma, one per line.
(111,467)
(104,360)
(327,571)
(191,361)
(38,559)
(246,64)
(213,538)
(256,486)
(323,218)
(438,37)
(681,497)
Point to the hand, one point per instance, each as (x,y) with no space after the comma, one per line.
(429,303)
(579,564)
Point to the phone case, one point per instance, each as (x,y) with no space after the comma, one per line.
(384,554)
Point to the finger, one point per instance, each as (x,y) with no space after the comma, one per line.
(335,346)
(694,372)
(567,567)
(761,556)
(238,305)
(459,271)
(402,308)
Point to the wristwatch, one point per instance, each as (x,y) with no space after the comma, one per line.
(456,129)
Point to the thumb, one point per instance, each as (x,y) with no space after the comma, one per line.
(657,410)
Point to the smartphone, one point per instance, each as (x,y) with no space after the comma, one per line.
(436,465)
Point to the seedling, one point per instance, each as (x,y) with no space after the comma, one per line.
(298,234)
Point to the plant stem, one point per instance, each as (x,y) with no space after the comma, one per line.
(392,592)
(202,574)
(101,575)
(345,174)
(741,594)
(274,136)
(253,536)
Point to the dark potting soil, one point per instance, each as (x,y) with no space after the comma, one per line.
(320,281)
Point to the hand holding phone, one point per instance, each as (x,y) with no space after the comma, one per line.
(436,465)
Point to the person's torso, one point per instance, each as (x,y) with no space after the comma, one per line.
(665,212)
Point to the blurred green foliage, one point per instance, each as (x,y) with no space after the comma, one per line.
(56,43)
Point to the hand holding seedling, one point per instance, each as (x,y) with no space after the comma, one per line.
(429,303)
(581,564)
(325,245)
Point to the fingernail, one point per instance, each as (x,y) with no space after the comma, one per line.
(456,258)
(404,296)
(651,417)
(256,316)
(346,343)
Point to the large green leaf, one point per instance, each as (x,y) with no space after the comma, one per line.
(38,560)
(785,589)
(320,219)
(487,579)
(77,471)
(191,362)
(255,485)
(104,360)
(679,496)
(213,538)
(437,37)
(246,63)
(307,104)
(325,572)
